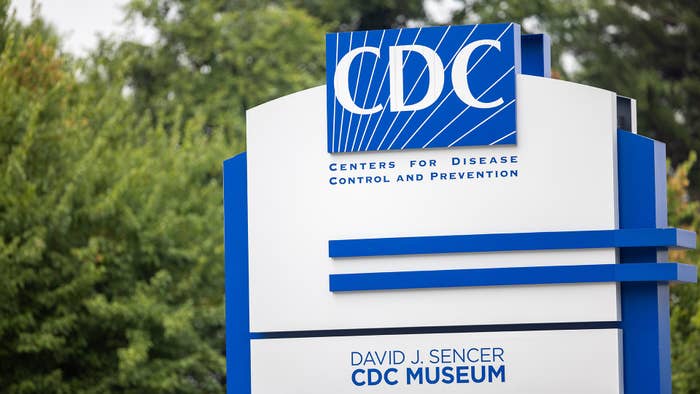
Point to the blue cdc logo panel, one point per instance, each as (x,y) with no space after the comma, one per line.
(432,87)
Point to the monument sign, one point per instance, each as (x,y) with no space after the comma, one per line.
(444,217)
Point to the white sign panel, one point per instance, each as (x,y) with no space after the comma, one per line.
(560,176)
(540,362)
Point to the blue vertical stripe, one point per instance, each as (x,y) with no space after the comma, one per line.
(645,306)
(236,273)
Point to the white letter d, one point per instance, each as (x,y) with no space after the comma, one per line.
(435,74)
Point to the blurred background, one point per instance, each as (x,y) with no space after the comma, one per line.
(115,117)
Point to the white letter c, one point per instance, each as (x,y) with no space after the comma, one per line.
(459,75)
(341,85)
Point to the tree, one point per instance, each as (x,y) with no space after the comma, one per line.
(216,59)
(347,15)
(111,244)
(685,300)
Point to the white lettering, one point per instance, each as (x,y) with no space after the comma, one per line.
(459,75)
(341,84)
(436,77)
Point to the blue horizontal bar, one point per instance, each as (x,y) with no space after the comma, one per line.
(639,272)
(626,238)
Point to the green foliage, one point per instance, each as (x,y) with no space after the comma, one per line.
(215,61)
(111,244)
(685,299)
(364,15)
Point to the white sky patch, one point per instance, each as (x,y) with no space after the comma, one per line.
(441,11)
(569,63)
(81,22)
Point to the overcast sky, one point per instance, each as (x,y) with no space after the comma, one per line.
(80,21)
